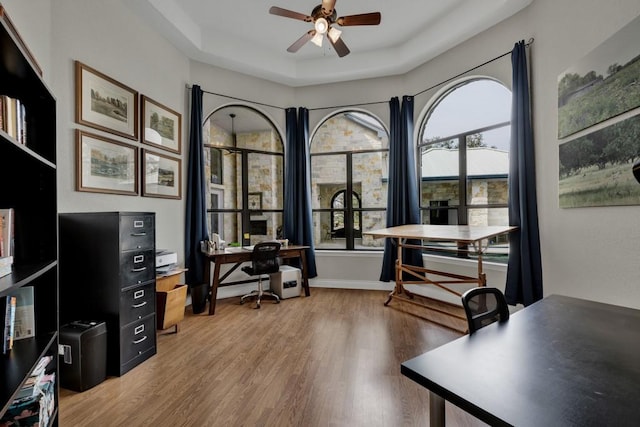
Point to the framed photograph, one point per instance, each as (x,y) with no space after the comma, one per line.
(105,104)
(216,166)
(105,166)
(161,176)
(161,126)
(255,201)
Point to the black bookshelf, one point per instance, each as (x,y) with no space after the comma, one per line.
(29,188)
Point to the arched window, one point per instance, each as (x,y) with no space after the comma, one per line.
(349,156)
(245,165)
(463,153)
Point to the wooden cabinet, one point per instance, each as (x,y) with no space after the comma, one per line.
(29,188)
(107,273)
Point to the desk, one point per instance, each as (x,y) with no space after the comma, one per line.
(238,256)
(475,237)
(559,362)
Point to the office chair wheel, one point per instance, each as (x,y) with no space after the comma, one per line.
(257,305)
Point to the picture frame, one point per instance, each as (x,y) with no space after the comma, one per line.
(161,126)
(104,103)
(255,201)
(105,165)
(161,175)
(216,165)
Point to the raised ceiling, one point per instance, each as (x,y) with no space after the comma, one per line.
(241,35)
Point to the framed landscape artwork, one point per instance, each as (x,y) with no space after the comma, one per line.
(105,166)
(601,85)
(105,104)
(161,126)
(599,124)
(161,175)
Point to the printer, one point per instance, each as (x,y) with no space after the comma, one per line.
(165,260)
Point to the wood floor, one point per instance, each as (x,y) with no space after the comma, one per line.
(332,359)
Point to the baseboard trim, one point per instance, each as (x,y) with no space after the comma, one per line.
(239,290)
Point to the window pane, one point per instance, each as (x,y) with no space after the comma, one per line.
(267,226)
(265,181)
(498,249)
(488,216)
(370,173)
(488,167)
(371,220)
(473,105)
(438,215)
(322,236)
(329,176)
(350,131)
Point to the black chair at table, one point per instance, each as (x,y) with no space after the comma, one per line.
(484,306)
(264,260)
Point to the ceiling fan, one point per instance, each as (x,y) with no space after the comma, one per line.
(324,16)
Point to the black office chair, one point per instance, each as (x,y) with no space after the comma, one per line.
(484,306)
(264,260)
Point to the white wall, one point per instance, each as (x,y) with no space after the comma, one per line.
(588,252)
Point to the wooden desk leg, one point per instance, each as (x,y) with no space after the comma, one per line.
(214,288)
(436,410)
(305,272)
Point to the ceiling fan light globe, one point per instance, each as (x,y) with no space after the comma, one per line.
(334,34)
(321,25)
(317,39)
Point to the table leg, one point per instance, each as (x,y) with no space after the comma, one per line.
(436,410)
(214,288)
(305,272)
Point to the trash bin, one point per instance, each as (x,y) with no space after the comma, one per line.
(199,294)
(83,354)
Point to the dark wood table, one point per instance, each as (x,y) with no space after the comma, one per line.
(559,362)
(237,256)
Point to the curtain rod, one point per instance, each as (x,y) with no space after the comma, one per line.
(375,102)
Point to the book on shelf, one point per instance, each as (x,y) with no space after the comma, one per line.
(8,324)
(25,321)
(5,265)
(8,232)
(34,403)
(14,118)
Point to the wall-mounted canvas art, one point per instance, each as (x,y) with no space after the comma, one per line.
(603,84)
(597,169)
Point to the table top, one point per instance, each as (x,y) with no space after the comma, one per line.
(444,233)
(559,362)
(246,250)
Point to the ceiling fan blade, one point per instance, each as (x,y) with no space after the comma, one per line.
(339,46)
(301,41)
(328,7)
(372,18)
(275,10)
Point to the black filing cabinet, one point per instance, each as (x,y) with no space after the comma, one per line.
(107,272)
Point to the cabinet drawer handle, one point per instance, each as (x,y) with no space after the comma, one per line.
(140,340)
(141,234)
(138,270)
(142,304)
